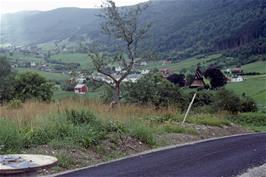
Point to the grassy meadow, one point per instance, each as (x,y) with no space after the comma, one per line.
(25,58)
(190,63)
(48,75)
(80,58)
(253,86)
(259,66)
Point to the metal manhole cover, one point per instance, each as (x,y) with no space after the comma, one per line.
(22,163)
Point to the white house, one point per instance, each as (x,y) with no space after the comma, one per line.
(132,78)
(143,63)
(32,64)
(237,79)
(145,71)
(80,80)
(118,69)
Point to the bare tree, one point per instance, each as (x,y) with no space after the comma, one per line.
(123,25)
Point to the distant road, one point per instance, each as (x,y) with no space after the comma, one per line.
(218,158)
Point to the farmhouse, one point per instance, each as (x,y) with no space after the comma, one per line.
(118,69)
(143,63)
(132,78)
(237,79)
(81,89)
(166,72)
(145,71)
(237,70)
(33,64)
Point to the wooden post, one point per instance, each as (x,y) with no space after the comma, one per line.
(189,107)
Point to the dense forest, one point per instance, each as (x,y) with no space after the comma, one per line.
(180,28)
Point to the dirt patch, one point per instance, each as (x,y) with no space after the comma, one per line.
(202,132)
(113,147)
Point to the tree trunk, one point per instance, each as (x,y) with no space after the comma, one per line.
(116,97)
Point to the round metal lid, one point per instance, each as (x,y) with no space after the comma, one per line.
(21,163)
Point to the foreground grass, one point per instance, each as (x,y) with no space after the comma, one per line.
(81,132)
(253,121)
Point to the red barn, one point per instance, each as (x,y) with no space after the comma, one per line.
(81,89)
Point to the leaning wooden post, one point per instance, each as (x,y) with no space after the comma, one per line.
(189,107)
(197,83)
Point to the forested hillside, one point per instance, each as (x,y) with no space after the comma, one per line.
(180,28)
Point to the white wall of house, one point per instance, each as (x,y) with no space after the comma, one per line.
(237,79)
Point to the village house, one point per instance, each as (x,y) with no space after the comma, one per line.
(81,89)
(166,72)
(132,78)
(33,64)
(145,71)
(80,80)
(118,69)
(143,63)
(237,79)
(237,71)
(166,62)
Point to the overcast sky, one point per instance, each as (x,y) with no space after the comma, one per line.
(7,6)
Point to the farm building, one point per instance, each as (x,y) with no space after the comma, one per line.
(237,71)
(237,79)
(166,72)
(81,89)
(143,63)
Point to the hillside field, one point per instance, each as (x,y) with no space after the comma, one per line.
(253,86)
(48,75)
(188,64)
(259,66)
(80,58)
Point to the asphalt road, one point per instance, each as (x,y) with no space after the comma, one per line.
(218,158)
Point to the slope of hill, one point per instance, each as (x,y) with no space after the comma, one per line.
(40,27)
(180,28)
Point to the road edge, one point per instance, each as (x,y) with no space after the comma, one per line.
(153,151)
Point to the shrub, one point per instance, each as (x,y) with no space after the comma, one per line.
(114,126)
(253,119)
(74,127)
(140,131)
(106,94)
(56,127)
(247,104)
(203,98)
(15,104)
(152,89)
(87,135)
(33,86)
(80,117)
(226,100)
(11,140)
(65,161)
